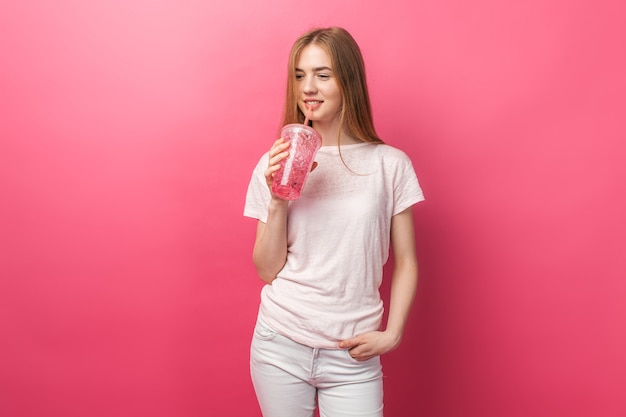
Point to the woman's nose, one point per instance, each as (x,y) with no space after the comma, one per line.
(309,85)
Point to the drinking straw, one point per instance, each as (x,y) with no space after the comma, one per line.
(308,115)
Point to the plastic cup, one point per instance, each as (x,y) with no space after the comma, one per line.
(294,169)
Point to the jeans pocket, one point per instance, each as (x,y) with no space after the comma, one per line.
(263,332)
(351,359)
(367,362)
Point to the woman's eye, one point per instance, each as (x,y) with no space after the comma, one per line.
(299,76)
(323,76)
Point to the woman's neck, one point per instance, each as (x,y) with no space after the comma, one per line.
(330,133)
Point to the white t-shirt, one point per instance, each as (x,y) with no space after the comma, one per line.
(338,236)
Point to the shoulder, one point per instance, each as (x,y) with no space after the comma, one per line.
(393,154)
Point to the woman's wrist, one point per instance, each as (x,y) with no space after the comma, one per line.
(278,203)
(394,336)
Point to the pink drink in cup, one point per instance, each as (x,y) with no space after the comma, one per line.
(290,178)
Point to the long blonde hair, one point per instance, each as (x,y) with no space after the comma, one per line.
(345,55)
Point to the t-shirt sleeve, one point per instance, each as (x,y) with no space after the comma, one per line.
(407,190)
(258,195)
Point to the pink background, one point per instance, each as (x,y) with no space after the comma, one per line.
(128,133)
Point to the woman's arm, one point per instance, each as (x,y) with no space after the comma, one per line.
(404,279)
(270,247)
(403,286)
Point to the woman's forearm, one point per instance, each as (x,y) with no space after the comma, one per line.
(404,278)
(403,287)
(270,248)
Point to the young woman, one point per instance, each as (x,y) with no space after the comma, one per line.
(318,337)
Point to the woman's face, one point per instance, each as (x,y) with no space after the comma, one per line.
(316,85)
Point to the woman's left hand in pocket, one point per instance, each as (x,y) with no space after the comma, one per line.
(367,345)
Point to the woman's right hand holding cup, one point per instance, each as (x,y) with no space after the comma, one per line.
(278,152)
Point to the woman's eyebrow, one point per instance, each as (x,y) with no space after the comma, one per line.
(316,69)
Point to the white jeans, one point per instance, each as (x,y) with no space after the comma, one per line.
(291,379)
